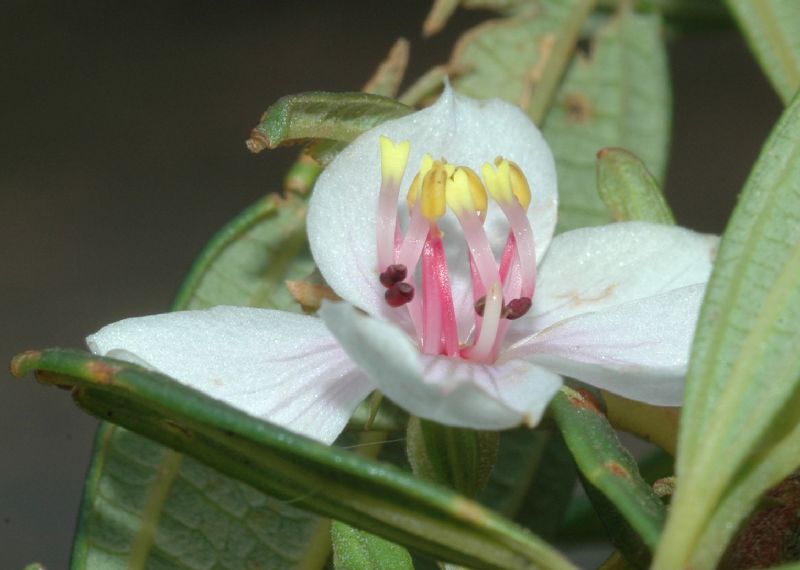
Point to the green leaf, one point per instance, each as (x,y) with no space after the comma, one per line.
(608,466)
(365,493)
(628,189)
(130,522)
(771,28)
(533,480)
(534,46)
(249,261)
(739,431)
(309,116)
(355,549)
(147,506)
(617,96)
(458,458)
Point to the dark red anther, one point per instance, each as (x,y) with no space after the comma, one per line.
(399,294)
(516,308)
(394,274)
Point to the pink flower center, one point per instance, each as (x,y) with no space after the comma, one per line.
(413,265)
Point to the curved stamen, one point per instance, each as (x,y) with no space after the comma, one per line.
(466,195)
(508,187)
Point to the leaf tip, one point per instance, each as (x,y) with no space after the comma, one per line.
(257,142)
(24,362)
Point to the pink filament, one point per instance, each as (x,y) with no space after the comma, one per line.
(440,333)
(525,246)
(387,222)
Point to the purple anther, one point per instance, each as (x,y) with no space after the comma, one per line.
(480,304)
(399,294)
(517,308)
(394,274)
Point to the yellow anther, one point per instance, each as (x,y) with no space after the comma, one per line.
(432,195)
(519,185)
(427,164)
(394,157)
(465,192)
(498,182)
(506,182)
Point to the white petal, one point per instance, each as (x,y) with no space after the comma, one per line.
(449,391)
(343,209)
(281,367)
(639,350)
(595,268)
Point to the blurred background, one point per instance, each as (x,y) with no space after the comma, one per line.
(122,151)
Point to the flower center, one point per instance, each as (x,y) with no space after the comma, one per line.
(413,266)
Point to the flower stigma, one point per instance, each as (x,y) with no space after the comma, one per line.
(413,266)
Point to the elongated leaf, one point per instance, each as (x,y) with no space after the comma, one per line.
(534,46)
(458,458)
(608,466)
(628,189)
(370,495)
(770,27)
(335,116)
(249,261)
(740,432)
(618,96)
(130,523)
(152,507)
(355,549)
(533,479)
(545,504)
(387,78)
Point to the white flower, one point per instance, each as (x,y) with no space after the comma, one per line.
(613,306)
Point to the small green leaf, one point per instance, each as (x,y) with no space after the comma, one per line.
(355,549)
(771,28)
(617,96)
(608,466)
(739,432)
(534,46)
(628,189)
(458,458)
(371,495)
(309,116)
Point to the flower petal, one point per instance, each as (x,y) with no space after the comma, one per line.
(595,268)
(639,350)
(343,210)
(280,367)
(446,390)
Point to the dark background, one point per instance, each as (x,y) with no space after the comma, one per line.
(121,152)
